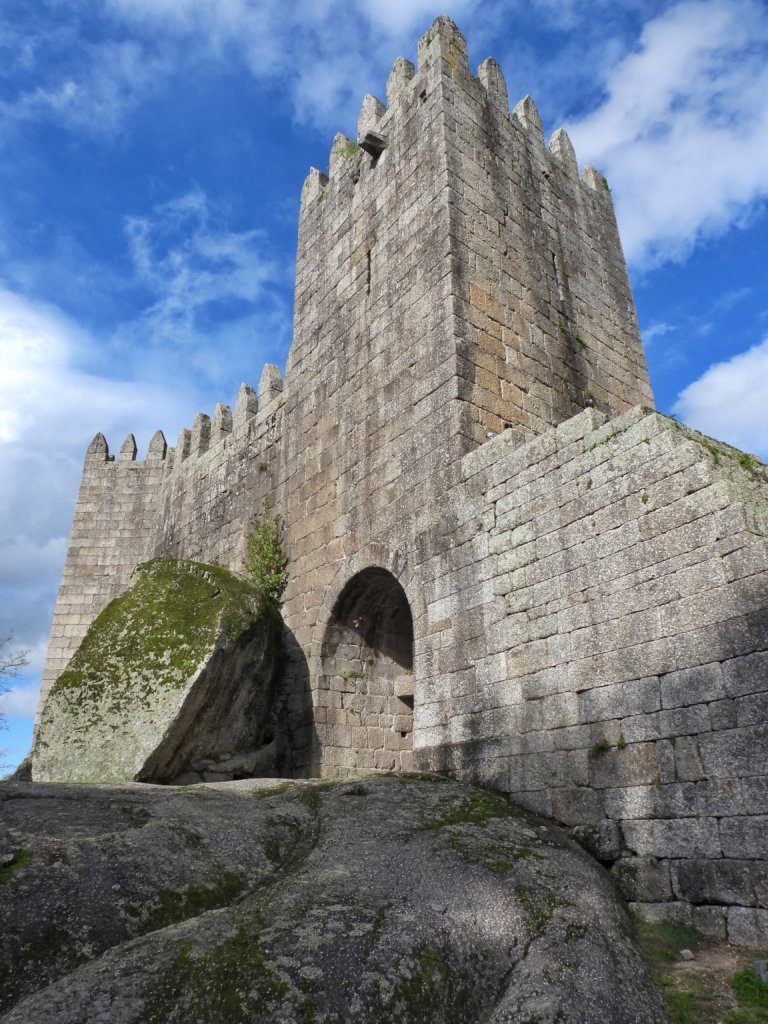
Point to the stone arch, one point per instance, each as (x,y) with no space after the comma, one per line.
(366,691)
(370,555)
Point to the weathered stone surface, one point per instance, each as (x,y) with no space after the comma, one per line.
(745,836)
(747,927)
(711,921)
(181,667)
(684,837)
(724,881)
(603,839)
(642,878)
(381,899)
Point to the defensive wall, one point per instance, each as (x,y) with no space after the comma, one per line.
(503,563)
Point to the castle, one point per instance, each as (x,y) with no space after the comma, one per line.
(503,563)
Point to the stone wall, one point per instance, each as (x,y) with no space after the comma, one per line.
(545,319)
(598,648)
(111,534)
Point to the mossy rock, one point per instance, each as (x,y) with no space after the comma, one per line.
(376,900)
(180,666)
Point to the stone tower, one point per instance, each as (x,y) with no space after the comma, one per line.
(503,563)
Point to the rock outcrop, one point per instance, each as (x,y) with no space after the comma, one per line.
(389,898)
(178,669)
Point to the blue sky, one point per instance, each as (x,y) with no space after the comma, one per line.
(153,153)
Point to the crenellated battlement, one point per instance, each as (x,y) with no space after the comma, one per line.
(549,320)
(207,432)
(443,46)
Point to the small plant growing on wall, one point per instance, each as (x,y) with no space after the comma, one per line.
(265,558)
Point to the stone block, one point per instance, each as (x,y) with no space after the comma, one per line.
(744,836)
(747,674)
(713,881)
(759,872)
(736,752)
(755,795)
(559,710)
(712,922)
(635,765)
(684,837)
(654,913)
(748,927)
(578,805)
(639,696)
(721,797)
(685,721)
(688,763)
(642,878)
(723,714)
(549,770)
(655,801)
(692,686)
(640,728)
(603,839)
(752,710)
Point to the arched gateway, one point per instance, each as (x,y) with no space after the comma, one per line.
(365,701)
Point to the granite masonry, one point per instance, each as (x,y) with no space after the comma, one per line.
(503,563)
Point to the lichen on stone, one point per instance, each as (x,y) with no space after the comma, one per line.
(157,631)
(145,672)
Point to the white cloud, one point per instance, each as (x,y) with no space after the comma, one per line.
(20,700)
(89,87)
(49,410)
(327,54)
(683,131)
(195,266)
(657,330)
(730,399)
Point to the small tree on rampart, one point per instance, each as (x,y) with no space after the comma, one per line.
(265,558)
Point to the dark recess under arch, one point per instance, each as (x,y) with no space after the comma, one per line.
(366,686)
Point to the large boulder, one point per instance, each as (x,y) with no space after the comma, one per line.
(178,671)
(389,899)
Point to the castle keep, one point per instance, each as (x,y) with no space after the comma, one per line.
(502,562)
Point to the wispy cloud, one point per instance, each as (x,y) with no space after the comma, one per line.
(215,296)
(20,699)
(682,130)
(729,299)
(80,85)
(657,330)
(729,400)
(326,54)
(49,409)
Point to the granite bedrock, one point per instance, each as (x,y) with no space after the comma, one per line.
(503,563)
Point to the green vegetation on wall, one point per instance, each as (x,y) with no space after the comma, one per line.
(158,630)
(265,558)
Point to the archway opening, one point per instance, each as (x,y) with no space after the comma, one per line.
(366,686)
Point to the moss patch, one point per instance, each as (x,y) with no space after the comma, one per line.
(430,984)
(232,982)
(661,942)
(480,807)
(151,650)
(752,996)
(156,633)
(193,900)
(20,858)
